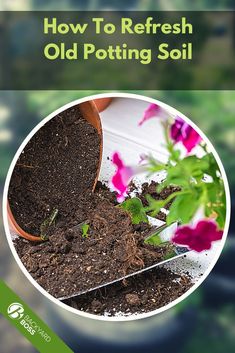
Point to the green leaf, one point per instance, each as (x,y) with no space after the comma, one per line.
(221,214)
(136,210)
(183,208)
(85,228)
(154,205)
(175,155)
(212,166)
(185,171)
(154,239)
(221,211)
(215,202)
(211,190)
(196,166)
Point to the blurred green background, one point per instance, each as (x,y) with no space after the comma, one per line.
(205,321)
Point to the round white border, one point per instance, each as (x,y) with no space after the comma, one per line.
(43,291)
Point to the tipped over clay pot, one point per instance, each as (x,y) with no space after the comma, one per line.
(91,114)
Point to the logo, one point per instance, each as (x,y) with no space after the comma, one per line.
(15,311)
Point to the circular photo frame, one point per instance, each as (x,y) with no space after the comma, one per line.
(116,207)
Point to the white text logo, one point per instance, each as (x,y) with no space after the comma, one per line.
(15,311)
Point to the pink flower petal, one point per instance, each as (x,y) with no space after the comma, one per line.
(122,177)
(176,131)
(198,238)
(192,139)
(117,160)
(152,111)
(210,228)
(182,132)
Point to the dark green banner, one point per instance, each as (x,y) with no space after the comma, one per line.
(28,323)
(131,50)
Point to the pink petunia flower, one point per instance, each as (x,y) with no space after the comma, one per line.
(197,237)
(182,132)
(123,176)
(152,111)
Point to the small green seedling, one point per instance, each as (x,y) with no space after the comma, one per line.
(84,229)
(136,210)
(47,224)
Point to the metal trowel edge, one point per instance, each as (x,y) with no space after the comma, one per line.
(165,233)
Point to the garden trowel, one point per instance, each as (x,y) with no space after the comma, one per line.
(163,234)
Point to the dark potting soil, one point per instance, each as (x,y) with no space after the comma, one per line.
(57,170)
(57,165)
(139,294)
(68,263)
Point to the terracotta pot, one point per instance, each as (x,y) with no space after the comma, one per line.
(17,229)
(102,103)
(91,114)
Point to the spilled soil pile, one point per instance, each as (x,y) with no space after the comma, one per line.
(69,263)
(139,294)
